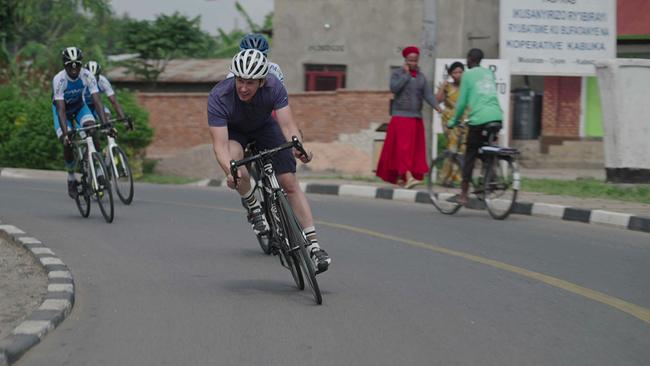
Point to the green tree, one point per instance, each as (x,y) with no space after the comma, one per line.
(228,43)
(166,38)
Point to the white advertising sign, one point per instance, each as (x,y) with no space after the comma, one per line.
(557,37)
(501,71)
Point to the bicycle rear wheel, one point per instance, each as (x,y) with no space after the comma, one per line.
(103,192)
(443,191)
(501,186)
(299,245)
(83,197)
(124,179)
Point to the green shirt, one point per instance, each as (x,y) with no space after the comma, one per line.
(478,91)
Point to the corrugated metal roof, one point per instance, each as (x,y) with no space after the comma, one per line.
(181,71)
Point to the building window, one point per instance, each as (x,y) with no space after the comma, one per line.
(324,77)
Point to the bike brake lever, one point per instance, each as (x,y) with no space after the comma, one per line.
(234,172)
(298,145)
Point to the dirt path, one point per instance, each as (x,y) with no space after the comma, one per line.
(23,284)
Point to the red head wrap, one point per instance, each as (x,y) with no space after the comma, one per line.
(410,49)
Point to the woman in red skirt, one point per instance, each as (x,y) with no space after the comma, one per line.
(403,159)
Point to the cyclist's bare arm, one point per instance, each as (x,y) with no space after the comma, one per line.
(116,105)
(60,110)
(220,146)
(99,107)
(290,129)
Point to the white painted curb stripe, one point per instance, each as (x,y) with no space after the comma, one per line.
(42,251)
(59,274)
(50,261)
(404,195)
(303,186)
(547,209)
(60,287)
(357,191)
(34,327)
(55,304)
(29,240)
(10,229)
(610,218)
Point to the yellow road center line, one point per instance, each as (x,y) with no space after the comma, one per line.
(636,311)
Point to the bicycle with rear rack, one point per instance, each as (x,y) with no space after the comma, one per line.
(285,238)
(495,181)
(119,170)
(94,182)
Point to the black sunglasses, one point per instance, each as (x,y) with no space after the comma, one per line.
(75,64)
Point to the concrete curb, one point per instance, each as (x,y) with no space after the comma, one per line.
(56,306)
(540,209)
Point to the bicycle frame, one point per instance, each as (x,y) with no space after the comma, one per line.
(112,143)
(85,139)
(268,178)
(109,146)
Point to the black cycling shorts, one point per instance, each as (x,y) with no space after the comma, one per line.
(265,138)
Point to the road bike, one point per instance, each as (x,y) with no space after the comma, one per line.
(119,170)
(90,164)
(285,238)
(495,182)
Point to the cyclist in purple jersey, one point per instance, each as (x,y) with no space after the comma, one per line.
(239,111)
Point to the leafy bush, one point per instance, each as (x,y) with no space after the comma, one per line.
(27,137)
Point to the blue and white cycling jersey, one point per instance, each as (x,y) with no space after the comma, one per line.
(273,69)
(104,86)
(71,91)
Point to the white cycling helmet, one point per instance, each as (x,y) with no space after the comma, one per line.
(250,64)
(94,68)
(72,55)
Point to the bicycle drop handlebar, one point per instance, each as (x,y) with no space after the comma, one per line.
(294,143)
(102,126)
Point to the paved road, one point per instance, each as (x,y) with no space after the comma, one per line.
(177,279)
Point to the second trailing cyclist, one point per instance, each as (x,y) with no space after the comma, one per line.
(104,86)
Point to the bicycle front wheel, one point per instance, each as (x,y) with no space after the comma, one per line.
(278,241)
(442,186)
(123,180)
(102,190)
(501,186)
(83,198)
(299,245)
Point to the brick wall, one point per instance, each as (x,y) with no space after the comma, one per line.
(561,106)
(322,116)
(180,119)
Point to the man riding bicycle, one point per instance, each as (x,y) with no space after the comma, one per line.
(239,112)
(104,86)
(478,92)
(68,105)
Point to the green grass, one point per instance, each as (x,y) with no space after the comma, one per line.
(588,188)
(148,167)
(164,179)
